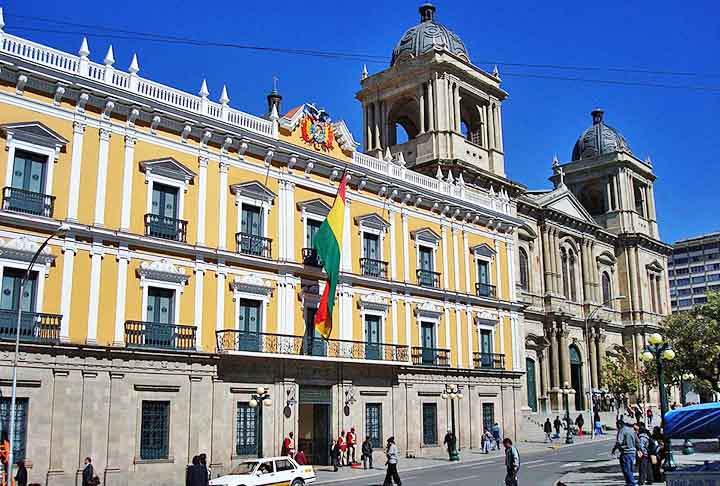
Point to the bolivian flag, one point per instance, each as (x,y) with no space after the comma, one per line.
(328,243)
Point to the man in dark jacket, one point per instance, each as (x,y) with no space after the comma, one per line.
(557,424)
(547,428)
(367,451)
(627,445)
(450,443)
(88,473)
(21,477)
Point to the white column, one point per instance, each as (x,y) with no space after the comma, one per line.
(466,252)
(69,250)
(123,259)
(458,338)
(128,166)
(290,200)
(498,273)
(220,298)
(431,106)
(499,129)
(446,325)
(421,97)
(511,270)
(198,310)
(408,319)
(469,343)
(101,185)
(501,330)
(202,199)
(282,221)
(222,204)
(94,305)
(394,314)
(75,167)
(393,246)
(346,264)
(346,312)
(281,306)
(406,245)
(290,303)
(456,258)
(443,232)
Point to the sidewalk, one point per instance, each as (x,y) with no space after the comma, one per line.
(604,472)
(325,474)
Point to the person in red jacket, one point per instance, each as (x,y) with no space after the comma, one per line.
(351,440)
(343,448)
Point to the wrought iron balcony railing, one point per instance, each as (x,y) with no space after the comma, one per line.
(430,356)
(22,201)
(261,342)
(144,334)
(254,245)
(428,278)
(485,290)
(489,361)
(165,227)
(310,257)
(373,268)
(34,326)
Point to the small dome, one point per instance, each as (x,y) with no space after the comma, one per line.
(599,139)
(426,36)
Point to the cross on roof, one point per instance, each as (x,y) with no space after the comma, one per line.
(561,172)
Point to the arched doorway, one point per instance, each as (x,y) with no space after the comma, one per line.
(576,376)
(531,384)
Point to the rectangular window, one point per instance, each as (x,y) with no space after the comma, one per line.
(250,324)
(11,279)
(680,261)
(283,465)
(712,266)
(161,305)
(673,303)
(714,288)
(681,271)
(683,281)
(714,277)
(685,302)
(155,430)
(700,279)
(488,415)
(371,246)
(29,172)
(313,225)
(373,423)
(373,333)
(426,259)
(483,272)
(427,336)
(700,300)
(314,344)
(20,436)
(699,269)
(429,424)
(246,430)
(684,292)
(164,201)
(251,220)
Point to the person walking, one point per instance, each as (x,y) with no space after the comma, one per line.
(496,435)
(580,422)
(351,440)
(4,457)
(366,451)
(335,455)
(392,452)
(557,423)
(658,455)
(547,428)
(300,457)
(486,440)
(450,441)
(288,445)
(645,448)
(650,415)
(343,448)
(21,477)
(626,444)
(88,474)
(512,462)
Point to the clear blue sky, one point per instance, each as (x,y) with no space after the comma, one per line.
(677,127)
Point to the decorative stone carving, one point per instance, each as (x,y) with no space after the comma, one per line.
(428,309)
(251,284)
(162,270)
(373,302)
(23,249)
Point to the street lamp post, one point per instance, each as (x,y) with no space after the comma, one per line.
(259,400)
(660,352)
(451,393)
(688,447)
(13,400)
(589,392)
(566,398)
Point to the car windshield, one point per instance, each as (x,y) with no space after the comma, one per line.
(245,468)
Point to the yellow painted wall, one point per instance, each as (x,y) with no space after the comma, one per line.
(80,297)
(211,205)
(88,178)
(209,311)
(133,295)
(452,345)
(114,189)
(507,331)
(53,283)
(108,299)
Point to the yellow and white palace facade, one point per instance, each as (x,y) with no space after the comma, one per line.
(184,280)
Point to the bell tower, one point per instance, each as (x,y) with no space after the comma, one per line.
(433,105)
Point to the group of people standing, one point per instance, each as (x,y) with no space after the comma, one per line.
(198,472)
(21,477)
(343,450)
(636,444)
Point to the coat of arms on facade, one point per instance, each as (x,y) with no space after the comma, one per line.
(316,127)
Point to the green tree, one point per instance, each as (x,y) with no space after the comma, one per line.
(695,337)
(619,373)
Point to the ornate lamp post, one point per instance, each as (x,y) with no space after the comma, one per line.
(566,399)
(661,351)
(452,392)
(688,447)
(260,399)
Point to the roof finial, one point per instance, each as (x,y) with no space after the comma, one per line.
(555,161)
(204,92)
(648,161)
(109,57)
(559,171)
(388,154)
(224,98)
(438,174)
(275,84)
(2,19)
(84,49)
(496,72)
(597,116)
(427,12)
(134,66)
(364,72)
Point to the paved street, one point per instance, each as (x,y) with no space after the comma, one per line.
(539,467)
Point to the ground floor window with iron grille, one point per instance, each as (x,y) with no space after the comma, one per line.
(373,423)
(488,415)
(429,424)
(246,430)
(20,437)
(155,430)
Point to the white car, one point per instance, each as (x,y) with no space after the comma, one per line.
(269,471)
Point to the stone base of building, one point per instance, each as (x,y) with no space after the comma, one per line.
(89,402)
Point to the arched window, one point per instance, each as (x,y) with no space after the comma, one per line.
(531,384)
(606,288)
(565,277)
(576,376)
(573,284)
(524,275)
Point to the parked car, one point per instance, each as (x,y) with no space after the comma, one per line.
(267,471)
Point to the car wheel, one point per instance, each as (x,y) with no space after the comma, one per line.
(298,482)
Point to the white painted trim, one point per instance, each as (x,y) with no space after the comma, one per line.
(313,217)
(69,249)
(202,198)
(13,144)
(446,279)
(346,264)
(260,297)
(372,312)
(456,259)
(394,314)
(406,249)
(446,322)
(198,310)
(146,283)
(498,276)
(258,203)
(458,338)
(481,325)
(102,172)
(182,187)
(220,274)
(42,273)
(290,229)
(128,166)
(123,260)
(466,252)
(96,256)
(469,329)
(408,325)
(393,256)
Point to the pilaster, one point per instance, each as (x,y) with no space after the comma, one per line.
(202,198)
(123,258)
(222,204)
(101,184)
(96,255)
(69,250)
(198,309)
(75,168)
(128,166)
(220,274)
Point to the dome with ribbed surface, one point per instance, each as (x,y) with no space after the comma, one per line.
(427,36)
(599,139)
